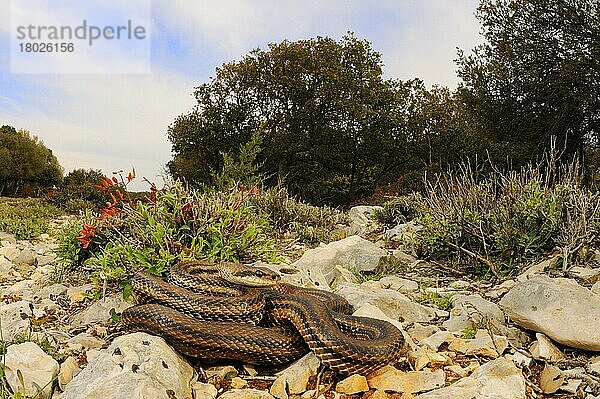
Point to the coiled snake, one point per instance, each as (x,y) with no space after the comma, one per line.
(237,312)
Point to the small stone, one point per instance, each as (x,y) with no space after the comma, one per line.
(544,349)
(422,356)
(482,345)
(596,288)
(15,318)
(473,310)
(204,391)
(354,384)
(84,341)
(10,252)
(78,294)
(238,383)
(551,379)
(36,368)
(389,378)
(460,285)
(594,364)
(456,369)
(419,332)
(246,394)
(294,379)
(92,354)
(572,386)
(68,369)
(217,374)
(26,257)
(399,284)
(99,311)
(521,360)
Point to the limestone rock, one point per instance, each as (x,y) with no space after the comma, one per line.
(238,383)
(472,310)
(482,345)
(354,384)
(99,311)
(557,307)
(246,394)
(389,378)
(401,231)
(68,369)
(204,391)
(551,379)
(352,253)
(216,374)
(394,283)
(544,349)
(361,217)
(10,252)
(395,305)
(37,368)
(294,379)
(498,379)
(136,366)
(84,341)
(15,318)
(26,257)
(420,332)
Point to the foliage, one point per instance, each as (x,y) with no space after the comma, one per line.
(535,77)
(25,217)
(333,127)
(26,166)
(307,223)
(443,302)
(504,218)
(398,210)
(241,170)
(76,193)
(175,223)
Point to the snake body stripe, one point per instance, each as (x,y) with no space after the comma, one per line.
(216,340)
(298,317)
(247,307)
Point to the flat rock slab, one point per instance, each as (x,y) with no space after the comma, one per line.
(558,307)
(498,379)
(134,366)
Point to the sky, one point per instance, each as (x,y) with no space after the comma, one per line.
(118,121)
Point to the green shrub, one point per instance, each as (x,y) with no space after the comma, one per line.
(26,218)
(77,193)
(507,218)
(307,223)
(399,210)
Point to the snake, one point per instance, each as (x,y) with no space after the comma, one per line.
(231,311)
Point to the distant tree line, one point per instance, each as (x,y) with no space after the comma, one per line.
(335,130)
(27,167)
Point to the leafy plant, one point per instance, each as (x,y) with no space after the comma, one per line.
(26,218)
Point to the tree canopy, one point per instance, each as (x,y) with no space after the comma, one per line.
(26,165)
(536,76)
(333,126)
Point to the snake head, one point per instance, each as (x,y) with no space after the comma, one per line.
(251,276)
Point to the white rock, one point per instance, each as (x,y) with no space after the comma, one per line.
(352,253)
(26,257)
(544,349)
(353,384)
(399,284)
(204,391)
(537,269)
(14,319)
(23,289)
(134,366)
(361,217)
(498,379)
(294,379)
(389,378)
(68,369)
(472,310)
(10,252)
(246,394)
(99,311)
(395,305)
(37,368)
(401,231)
(84,341)
(596,288)
(557,307)
(521,360)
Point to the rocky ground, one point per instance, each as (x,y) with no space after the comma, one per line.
(535,336)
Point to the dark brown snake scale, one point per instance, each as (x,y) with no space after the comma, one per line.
(238,312)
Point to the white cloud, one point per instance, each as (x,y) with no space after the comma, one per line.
(121,119)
